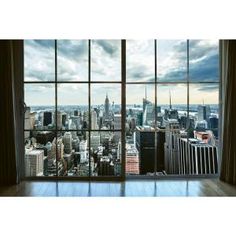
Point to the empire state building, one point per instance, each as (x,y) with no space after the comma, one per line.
(107,105)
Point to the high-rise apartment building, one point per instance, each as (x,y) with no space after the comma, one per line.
(34,160)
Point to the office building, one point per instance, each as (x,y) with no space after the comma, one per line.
(34,162)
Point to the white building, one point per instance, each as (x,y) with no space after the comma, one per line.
(34,162)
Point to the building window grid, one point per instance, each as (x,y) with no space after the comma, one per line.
(123,84)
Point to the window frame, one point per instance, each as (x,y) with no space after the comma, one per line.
(123,84)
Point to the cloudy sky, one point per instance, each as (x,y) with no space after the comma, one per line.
(106,66)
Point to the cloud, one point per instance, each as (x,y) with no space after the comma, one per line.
(209,88)
(108,46)
(139,73)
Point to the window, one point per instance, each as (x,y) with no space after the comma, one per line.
(77,112)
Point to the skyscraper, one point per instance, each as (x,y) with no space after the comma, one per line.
(59,119)
(67,141)
(107,106)
(34,162)
(203,112)
(47,118)
(146,137)
(94,122)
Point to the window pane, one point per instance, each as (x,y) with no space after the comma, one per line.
(140,116)
(203,142)
(204,108)
(204,60)
(40,153)
(106,106)
(140,61)
(40,102)
(140,106)
(172,60)
(73,106)
(105,153)
(72,60)
(39,60)
(172,104)
(73,152)
(106,60)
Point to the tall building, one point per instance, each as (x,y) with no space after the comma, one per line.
(94,121)
(171,146)
(107,107)
(213,125)
(196,157)
(146,140)
(83,151)
(131,160)
(67,141)
(95,140)
(64,119)
(34,160)
(203,112)
(59,119)
(117,121)
(47,118)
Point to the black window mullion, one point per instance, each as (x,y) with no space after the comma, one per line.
(89,103)
(155,135)
(123,105)
(55,116)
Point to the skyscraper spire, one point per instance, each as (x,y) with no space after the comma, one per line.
(146,92)
(170,100)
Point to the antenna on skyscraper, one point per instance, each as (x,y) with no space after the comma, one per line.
(146,92)
(203,102)
(170,100)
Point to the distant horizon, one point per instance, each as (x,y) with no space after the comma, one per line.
(182,104)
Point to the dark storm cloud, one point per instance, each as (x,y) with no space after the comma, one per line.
(174,76)
(198,50)
(203,67)
(205,70)
(108,47)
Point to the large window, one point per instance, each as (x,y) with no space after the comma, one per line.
(172,110)
(103,108)
(73,108)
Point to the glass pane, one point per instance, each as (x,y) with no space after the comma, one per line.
(73,106)
(204,108)
(204,60)
(72,60)
(105,153)
(40,102)
(140,61)
(39,60)
(140,116)
(172,104)
(40,153)
(106,106)
(172,123)
(172,60)
(74,155)
(106,60)
(203,142)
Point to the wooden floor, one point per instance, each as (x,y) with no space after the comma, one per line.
(139,188)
